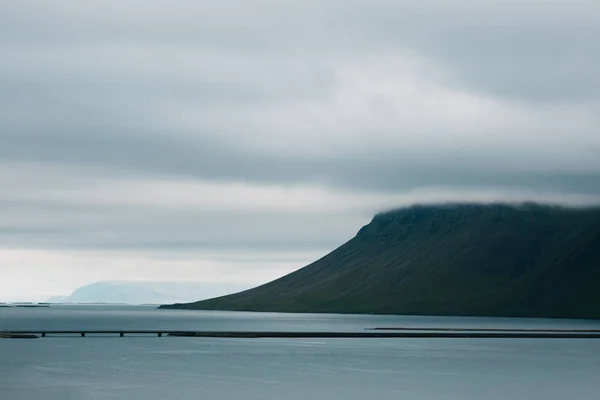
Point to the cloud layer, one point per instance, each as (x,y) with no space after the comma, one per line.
(156,128)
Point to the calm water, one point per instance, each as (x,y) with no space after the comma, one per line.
(134,368)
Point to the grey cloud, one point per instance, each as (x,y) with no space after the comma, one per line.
(105,88)
(141,155)
(535,50)
(52,225)
(551,64)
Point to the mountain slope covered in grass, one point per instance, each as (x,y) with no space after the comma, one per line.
(465,259)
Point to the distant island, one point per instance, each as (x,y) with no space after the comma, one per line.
(145,292)
(526,260)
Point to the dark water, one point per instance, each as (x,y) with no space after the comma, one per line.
(147,367)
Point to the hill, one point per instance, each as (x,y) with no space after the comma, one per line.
(466,259)
(145,292)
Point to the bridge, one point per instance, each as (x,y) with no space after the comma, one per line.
(382,333)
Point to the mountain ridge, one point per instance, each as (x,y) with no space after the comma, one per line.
(525,260)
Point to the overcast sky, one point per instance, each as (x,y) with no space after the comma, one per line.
(238,140)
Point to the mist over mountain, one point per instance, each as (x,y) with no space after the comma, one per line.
(462,259)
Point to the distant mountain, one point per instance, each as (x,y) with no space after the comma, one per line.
(465,259)
(141,292)
(57,299)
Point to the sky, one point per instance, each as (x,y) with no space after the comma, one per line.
(236,141)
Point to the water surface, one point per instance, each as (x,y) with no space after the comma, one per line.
(147,367)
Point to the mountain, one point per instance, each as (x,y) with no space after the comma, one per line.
(524,260)
(57,299)
(147,292)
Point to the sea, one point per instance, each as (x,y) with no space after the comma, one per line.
(148,367)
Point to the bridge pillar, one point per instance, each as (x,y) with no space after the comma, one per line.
(43,334)
(122,334)
(159,334)
(82,334)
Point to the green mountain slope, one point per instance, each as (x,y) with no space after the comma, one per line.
(488,260)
